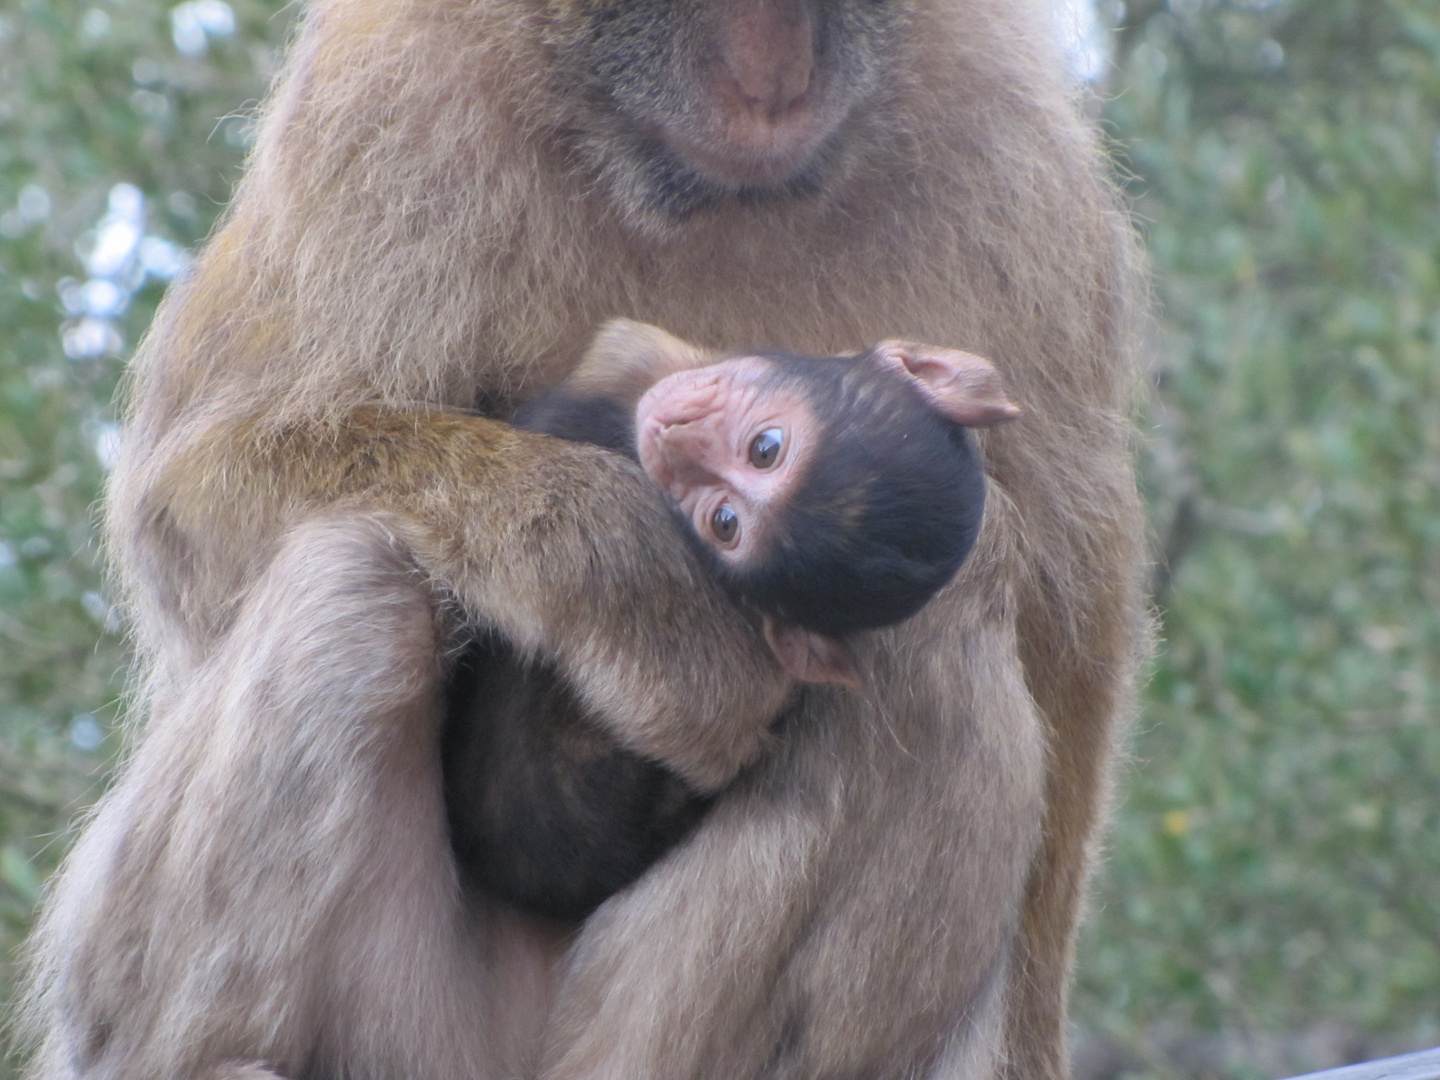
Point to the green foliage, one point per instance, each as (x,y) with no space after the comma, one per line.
(90,96)
(1274,862)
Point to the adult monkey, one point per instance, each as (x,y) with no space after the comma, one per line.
(446,198)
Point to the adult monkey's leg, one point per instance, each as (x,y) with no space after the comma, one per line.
(270,881)
(1085,707)
(881,853)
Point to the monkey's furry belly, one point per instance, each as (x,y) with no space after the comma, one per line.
(546,812)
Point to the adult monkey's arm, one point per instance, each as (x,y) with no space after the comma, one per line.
(566,551)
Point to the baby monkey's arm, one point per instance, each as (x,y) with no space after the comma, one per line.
(627,358)
(596,402)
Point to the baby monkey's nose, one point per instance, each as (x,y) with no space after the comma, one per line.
(687,450)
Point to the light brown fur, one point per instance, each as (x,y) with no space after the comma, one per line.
(888,886)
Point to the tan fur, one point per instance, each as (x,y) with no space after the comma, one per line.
(627,358)
(889,886)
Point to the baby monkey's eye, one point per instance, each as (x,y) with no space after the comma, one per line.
(766,447)
(724,523)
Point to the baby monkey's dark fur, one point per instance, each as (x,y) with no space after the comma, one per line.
(546,812)
(885,514)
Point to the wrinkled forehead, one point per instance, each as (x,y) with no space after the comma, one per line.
(836,389)
(785,369)
(747,367)
(773,383)
(744,375)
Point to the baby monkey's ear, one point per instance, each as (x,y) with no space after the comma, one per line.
(962,386)
(810,657)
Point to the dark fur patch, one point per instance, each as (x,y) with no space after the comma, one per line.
(545,811)
(601,421)
(889,507)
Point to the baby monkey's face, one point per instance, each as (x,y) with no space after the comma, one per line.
(730,445)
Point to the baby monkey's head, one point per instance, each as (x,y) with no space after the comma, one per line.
(835,494)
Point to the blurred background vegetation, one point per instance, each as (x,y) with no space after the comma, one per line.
(1270,902)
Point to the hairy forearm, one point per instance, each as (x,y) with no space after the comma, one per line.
(566,550)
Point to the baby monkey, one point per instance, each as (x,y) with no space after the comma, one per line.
(831,494)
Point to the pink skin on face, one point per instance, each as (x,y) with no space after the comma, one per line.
(695,431)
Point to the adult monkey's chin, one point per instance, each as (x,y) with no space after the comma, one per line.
(747,150)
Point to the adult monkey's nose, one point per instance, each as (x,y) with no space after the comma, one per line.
(768,47)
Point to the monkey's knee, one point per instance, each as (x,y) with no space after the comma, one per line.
(343,562)
(342,603)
